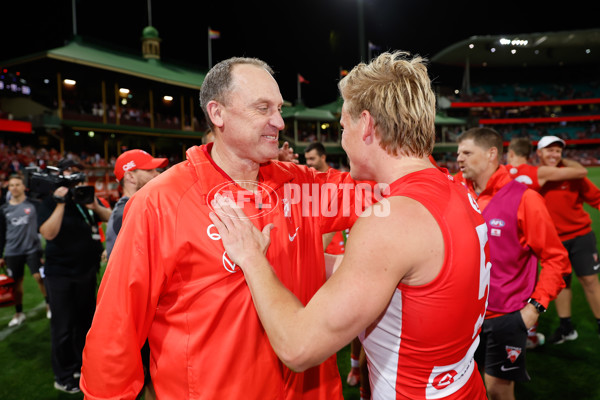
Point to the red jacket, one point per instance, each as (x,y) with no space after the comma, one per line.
(565,203)
(537,231)
(170,280)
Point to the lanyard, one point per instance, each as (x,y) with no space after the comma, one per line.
(86,216)
(89,220)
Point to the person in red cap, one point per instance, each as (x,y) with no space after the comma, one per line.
(133,169)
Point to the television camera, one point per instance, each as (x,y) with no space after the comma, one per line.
(46,181)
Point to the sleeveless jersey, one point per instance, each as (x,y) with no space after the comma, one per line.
(526,174)
(423,345)
(338,243)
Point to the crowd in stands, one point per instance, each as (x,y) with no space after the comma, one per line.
(128,115)
(563,130)
(566,131)
(530,92)
(14,158)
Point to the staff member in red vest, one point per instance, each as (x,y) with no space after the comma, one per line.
(520,232)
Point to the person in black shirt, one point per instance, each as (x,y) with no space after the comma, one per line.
(73,250)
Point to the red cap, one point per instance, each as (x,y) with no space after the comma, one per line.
(137,159)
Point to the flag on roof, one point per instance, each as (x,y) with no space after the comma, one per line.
(373,46)
(213,34)
(301,79)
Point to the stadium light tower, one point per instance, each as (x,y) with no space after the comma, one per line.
(361,30)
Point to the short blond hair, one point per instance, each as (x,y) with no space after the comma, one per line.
(396,90)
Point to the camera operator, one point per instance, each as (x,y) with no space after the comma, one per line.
(73,250)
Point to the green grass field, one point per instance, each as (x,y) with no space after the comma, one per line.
(559,372)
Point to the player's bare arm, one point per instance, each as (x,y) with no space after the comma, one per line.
(406,246)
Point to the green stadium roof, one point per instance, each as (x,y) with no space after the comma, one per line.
(78,52)
(307,114)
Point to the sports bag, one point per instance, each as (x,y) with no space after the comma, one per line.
(7,290)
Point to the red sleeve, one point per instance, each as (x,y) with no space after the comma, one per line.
(590,193)
(343,200)
(112,365)
(538,232)
(106,204)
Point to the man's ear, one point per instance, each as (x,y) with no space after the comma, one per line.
(368,124)
(214,110)
(130,177)
(493,153)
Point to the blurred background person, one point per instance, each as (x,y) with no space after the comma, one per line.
(73,250)
(21,243)
(535,177)
(565,200)
(133,169)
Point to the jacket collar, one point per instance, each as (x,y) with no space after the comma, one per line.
(498,179)
(272,174)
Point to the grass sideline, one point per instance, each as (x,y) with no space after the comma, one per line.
(566,371)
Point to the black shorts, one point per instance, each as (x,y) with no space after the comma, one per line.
(15,265)
(502,348)
(583,254)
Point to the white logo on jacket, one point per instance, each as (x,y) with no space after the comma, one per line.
(229,265)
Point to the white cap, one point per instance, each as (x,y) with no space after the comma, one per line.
(548,140)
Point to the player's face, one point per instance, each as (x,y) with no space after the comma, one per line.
(472,159)
(16,187)
(314,160)
(550,155)
(252,115)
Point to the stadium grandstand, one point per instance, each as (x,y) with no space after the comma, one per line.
(530,84)
(524,85)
